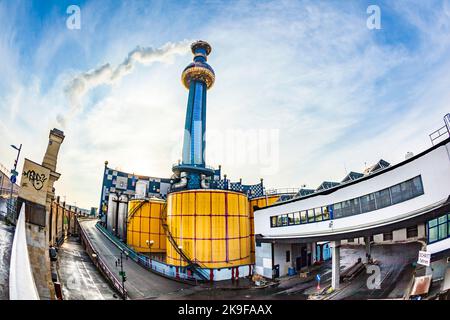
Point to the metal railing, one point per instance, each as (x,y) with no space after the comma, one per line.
(438,134)
(282,191)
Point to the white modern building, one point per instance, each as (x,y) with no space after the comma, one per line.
(386,203)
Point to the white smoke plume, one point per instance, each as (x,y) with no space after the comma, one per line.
(105,74)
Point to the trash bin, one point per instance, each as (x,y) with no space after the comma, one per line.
(291,272)
(276,271)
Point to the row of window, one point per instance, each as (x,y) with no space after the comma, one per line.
(439,228)
(377,200)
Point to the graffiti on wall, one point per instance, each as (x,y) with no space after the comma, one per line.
(34,182)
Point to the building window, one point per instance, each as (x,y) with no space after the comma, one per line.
(288,256)
(438,228)
(351,240)
(273,221)
(310,215)
(291,219)
(388,236)
(383,198)
(318,214)
(280,221)
(303,217)
(297,217)
(396,194)
(337,212)
(326,213)
(284,219)
(368,203)
(412,232)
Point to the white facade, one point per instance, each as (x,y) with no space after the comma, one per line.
(433,167)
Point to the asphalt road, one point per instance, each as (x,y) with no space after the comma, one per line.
(141,283)
(80,279)
(6,239)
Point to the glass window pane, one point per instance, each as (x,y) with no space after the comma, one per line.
(407,190)
(273,222)
(432,234)
(396,193)
(280,221)
(297,217)
(432,223)
(345,208)
(310,215)
(303,217)
(291,218)
(285,219)
(417,186)
(326,213)
(442,219)
(443,231)
(337,210)
(368,202)
(318,214)
(383,198)
(355,208)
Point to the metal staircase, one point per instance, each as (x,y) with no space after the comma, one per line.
(194,266)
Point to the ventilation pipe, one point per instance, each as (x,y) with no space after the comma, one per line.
(183,181)
(204,183)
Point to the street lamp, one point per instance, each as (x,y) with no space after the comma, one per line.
(149,245)
(13,179)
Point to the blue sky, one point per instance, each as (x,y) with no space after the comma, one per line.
(335,94)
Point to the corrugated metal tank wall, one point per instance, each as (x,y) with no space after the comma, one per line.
(122,217)
(211,226)
(261,203)
(111,215)
(145,224)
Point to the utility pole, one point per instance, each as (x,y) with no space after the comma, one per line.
(13,181)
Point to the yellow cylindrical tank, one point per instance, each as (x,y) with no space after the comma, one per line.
(260,203)
(211,226)
(145,224)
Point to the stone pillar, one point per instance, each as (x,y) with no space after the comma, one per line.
(37,236)
(56,137)
(335,268)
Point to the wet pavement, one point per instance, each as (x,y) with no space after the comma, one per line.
(395,262)
(141,283)
(6,239)
(396,270)
(80,279)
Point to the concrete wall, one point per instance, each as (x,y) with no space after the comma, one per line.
(37,240)
(264,259)
(399,235)
(280,257)
(21,281)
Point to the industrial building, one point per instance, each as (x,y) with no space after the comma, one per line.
(196,220)
(408,201)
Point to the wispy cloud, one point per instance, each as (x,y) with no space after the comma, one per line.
(106,75)
(339,94)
